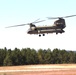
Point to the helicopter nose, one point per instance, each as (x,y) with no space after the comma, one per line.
(29,32)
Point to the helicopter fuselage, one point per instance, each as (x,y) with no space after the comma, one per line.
(57,27)
(45,29)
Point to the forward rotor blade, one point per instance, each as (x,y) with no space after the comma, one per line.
(25,24)
(17,25)
(38,21)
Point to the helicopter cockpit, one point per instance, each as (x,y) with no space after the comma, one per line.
(32,28)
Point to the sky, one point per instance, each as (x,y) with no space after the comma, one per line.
(14,12)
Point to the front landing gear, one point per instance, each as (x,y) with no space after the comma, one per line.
(42,34)
(39,35)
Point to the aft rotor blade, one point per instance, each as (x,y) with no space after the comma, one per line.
(61,17)
(17,25)
(69,16)
(52,17)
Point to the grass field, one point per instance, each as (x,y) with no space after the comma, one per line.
(51,69)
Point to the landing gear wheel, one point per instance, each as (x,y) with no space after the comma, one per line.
(56,33)
(39,35)
(60,32)
(43,34)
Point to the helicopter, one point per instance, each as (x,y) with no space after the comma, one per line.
(57,27)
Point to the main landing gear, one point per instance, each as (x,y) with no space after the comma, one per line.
(42,34)
(62,31)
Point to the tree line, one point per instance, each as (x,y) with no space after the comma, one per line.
(27,56)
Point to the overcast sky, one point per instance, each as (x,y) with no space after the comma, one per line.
(14,12)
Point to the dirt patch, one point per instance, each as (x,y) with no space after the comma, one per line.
(52,69)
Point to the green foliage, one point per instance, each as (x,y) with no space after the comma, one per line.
(16,57)
(8,59)
(28,56)
(3,53)
(40,56)
(23,52)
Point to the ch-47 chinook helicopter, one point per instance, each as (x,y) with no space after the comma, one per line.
(57,27)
